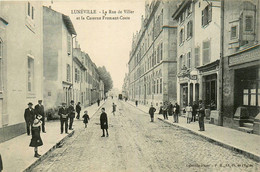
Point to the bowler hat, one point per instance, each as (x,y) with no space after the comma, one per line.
(30,103)
(72,101)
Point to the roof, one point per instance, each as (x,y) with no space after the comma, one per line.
(69,24)
(181,8)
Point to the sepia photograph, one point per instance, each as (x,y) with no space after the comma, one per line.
(130,86)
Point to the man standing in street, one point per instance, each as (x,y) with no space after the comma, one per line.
(71,111)
(98,102)
(114,108)
(151,112)
(194,111)
(29,117)
(170,109)
(78,109)
(63,113)
(104,122)
(39,110)
(201,111)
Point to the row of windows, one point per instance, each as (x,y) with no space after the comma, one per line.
(182,33)
(152,87)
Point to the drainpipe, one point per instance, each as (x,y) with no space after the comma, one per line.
(221,70)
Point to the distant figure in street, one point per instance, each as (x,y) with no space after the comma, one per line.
(170,109)
(194,111)
(78,109)
(39,110)
(36,140)
(161,106)
(136,103)
(114,108)
(29,117)
(86,118)
(201,112)
(71,112)
(164,110)
(189,113)
(151,112)
(176,112)
(104,122)
(98,102)
(64,117)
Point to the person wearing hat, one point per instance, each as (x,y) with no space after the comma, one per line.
(78,109)
(201,112)
(71,112)
(151,112)
(36,140)
(39,110)
(29,117)
(103,122)
(63,113)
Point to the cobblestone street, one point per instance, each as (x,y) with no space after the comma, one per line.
(136,144)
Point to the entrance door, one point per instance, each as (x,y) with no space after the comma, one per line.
(211,92)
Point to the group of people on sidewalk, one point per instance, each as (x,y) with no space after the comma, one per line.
(168,109)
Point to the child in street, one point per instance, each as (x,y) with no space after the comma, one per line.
(86,118)
(189,113)
(114,108)
(36,140)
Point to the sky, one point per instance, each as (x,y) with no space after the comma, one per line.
(108,42)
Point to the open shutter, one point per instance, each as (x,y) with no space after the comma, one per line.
(202,17)
(210,13)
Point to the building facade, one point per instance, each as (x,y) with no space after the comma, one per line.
(125,87)
(57,54)
(241,63)
(152,63)
(20,63)
(199,54)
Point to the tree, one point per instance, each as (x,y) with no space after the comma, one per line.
(106,78)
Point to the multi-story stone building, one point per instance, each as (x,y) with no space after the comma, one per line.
(241,63)
(199,54)
(57,54)
(152,63)
(21,59)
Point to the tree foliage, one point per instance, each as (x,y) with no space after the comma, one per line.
(106,78)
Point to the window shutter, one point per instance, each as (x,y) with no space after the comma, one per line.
(190,28)
(197,56)
(210,13)
(206,52)
(202,17)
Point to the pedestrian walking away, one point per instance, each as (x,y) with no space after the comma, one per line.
(151,112)
(113,108)
(136,103)
(36,140)
(63,113)
(189,113)
(194,111)
(71,112)
(170,109)
(176,112)
(164,110)
(39,110)
(78,109)
(86,118)
(201,112)
(29,117)
(104,122)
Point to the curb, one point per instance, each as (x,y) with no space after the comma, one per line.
(35,163)
(217,142)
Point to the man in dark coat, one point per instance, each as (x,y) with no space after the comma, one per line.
(151,112)
(39,110)
(170,109)
(164,110)
(201,111)
(103,122)
(71,111)
(29,115)
(194,111)
(63,113)
(78,109)
(176,112)
(98,102)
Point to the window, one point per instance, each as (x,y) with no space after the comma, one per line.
(206,15)
(249,23)
(1,65)
(189,29)
(233,32)
(32,12)
(197,56)
(180,62)
(30,84)
(189,11)
(29,9)
(158,53)
(157,86)
(161,85)
(206,52)
(181,36)
(182,16)
(189,60)
(68,73)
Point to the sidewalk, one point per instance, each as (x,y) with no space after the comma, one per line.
(247,144)
(18,156)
